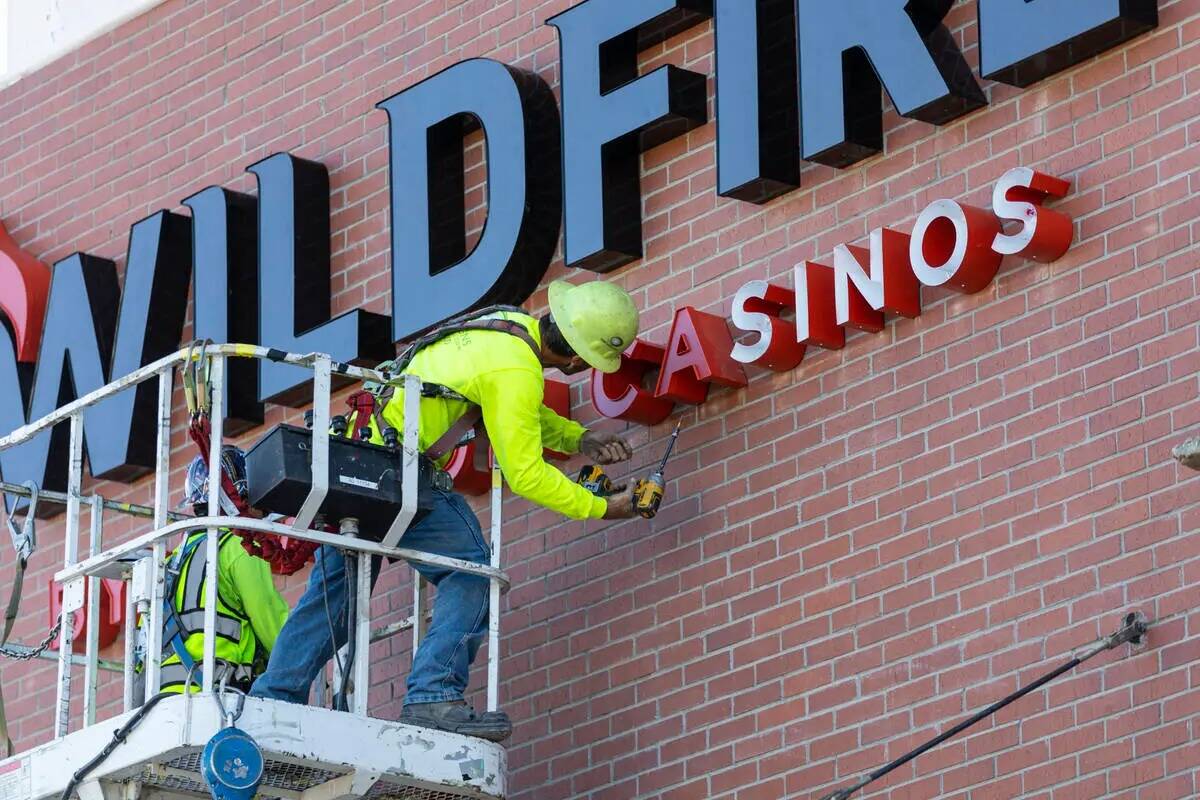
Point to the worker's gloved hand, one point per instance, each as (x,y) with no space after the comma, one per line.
(621,505)
(605,448)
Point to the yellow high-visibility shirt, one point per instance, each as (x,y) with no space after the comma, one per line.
(250,610)
(500,373)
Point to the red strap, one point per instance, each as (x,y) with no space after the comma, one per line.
(285,555)
(362,402)
(362,406)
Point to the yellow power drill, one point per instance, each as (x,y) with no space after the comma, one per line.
(593,478)
(648,494)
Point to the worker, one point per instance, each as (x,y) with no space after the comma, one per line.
(250,610)
(496,375)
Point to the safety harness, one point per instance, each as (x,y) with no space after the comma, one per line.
(461,428)
(365,407)
(177,630)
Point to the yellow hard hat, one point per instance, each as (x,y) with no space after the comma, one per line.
(598,319)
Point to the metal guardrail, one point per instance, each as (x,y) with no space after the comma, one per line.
(116,561)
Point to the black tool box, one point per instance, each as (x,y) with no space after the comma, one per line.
(364,479)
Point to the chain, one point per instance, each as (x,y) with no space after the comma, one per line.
(27,654)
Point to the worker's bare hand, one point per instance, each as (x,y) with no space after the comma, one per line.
(621,505)
(605,448)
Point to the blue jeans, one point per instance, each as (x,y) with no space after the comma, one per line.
(460,613)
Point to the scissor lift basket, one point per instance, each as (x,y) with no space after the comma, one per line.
(309,753)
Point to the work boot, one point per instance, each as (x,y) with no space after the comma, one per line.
(456,716)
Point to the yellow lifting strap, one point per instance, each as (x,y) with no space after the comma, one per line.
(24,542)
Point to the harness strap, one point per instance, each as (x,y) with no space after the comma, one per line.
(181,631)
(10,616)
(14,601)
(452,325)
(455,433)
(474,414)
(24,543)
(176,639)
(362,407)
(509,326)
(239,675)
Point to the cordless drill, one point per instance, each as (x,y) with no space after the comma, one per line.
(593,478)
(648,494)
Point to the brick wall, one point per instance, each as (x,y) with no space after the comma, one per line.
(865,549)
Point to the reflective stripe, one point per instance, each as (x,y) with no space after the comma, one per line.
(193,590)
(187,600)
(193,623)
(175,675)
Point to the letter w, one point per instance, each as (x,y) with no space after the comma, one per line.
(86,341)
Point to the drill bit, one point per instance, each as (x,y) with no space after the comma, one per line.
(670,446)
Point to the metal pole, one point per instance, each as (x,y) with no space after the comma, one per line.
(162,471)
(418,616)
(493,689)
(44,496)
(388,631)
(322,377)
(26,651)
(130,635)
(319,687)
(90,675)
(340,679)
(411,458)
(250,524)
(217,384)
(362,633)
(1133,627)
(349,530)
(62,720)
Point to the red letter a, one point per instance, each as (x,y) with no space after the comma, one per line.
(697,355)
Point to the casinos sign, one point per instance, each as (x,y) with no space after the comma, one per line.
(952,244)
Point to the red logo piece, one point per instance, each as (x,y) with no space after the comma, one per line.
(24,285)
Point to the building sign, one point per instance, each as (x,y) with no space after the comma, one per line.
(795,79)
(111,619)
(952,244)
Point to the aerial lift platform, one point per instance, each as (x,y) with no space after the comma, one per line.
(309,752)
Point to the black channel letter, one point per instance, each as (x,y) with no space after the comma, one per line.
(120,431)
(225,292)
(610,116)
(1023,41)
(847,47)
(27,461)
(433,277)
(293,281)
(73,359)
(758,131)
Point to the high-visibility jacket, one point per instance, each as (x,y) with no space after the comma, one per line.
(501,374)
(250,612)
